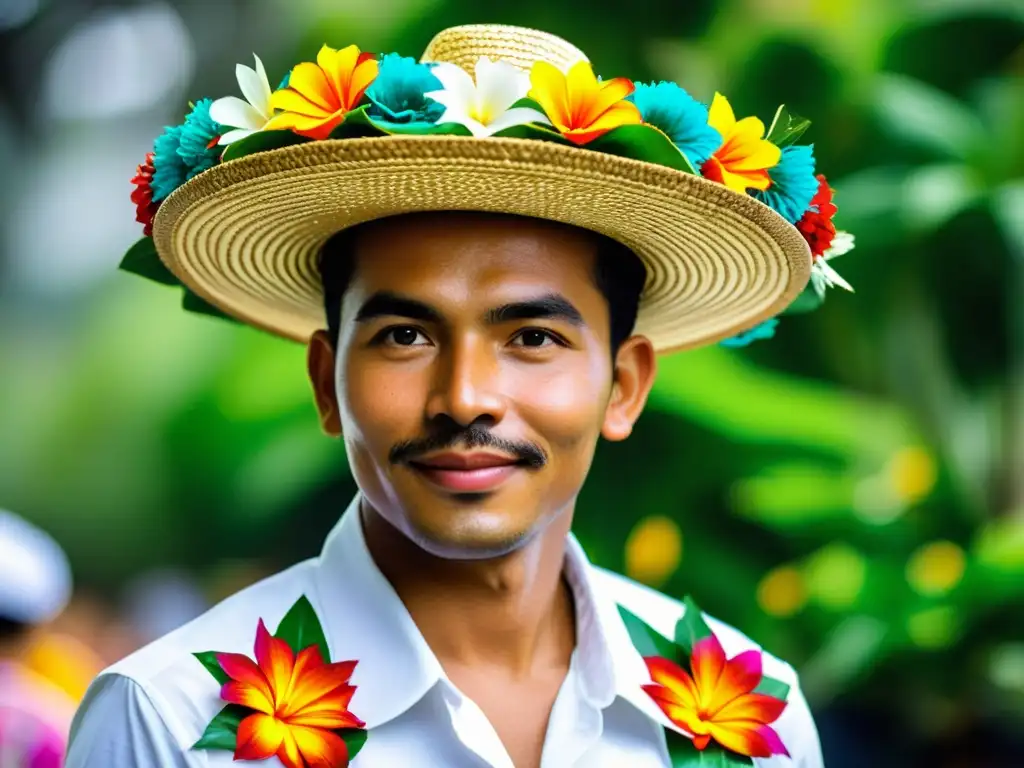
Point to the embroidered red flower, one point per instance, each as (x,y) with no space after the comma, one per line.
(816,224)
(298,703)
(718,701)
(142,195)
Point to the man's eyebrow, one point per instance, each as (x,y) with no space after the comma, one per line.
(553,306)
(388,304)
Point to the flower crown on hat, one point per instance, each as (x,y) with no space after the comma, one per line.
(350,94)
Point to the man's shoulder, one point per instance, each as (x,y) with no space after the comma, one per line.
(661,612)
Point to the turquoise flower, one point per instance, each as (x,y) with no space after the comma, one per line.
(793,183)
(765,330)
(396,95)
(169,170)
(198,147)
(676,113)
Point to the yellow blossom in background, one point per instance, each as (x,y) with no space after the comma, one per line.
(654,549)
(936,568)
(782,592)
(913,474)
(743,160)
(319,95)
(579,106)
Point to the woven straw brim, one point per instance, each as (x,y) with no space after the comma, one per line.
(246,235)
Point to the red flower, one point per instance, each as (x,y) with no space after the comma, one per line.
(816,225)
(142,195)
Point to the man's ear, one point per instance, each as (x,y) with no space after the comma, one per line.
(320,365)
(635,369)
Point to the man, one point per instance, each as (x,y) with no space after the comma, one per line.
(35,584)
(471,361)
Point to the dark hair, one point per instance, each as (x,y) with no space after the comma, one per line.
(618,273)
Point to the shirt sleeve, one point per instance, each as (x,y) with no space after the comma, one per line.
(799,733)
(117,726)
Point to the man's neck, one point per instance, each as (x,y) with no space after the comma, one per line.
(514,612)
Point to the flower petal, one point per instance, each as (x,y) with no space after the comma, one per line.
(315,685)
(319,748)
(499,85)
(842,243)
(610,92)
(361,79)
(707,663)
(259,737)
(623,113)
(235,113)
(756,707)
(746,737)
(289,753)
(831,276)
(312,82)
(255,89)
(290,100)
(720,115)
(516,116)
(456,84)
(333,704)
(548,88)
(247,695)
(314,127)
(263,105)
(673,677)
(236,135)
(275,659)
(740,676)
(244,670)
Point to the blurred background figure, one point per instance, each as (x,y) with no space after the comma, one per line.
(35,586)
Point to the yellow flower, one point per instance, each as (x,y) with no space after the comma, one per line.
(319,95)
(578,105)
(743,160)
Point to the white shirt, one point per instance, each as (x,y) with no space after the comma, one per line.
(149,708)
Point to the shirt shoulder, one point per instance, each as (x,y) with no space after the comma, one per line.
(168,685)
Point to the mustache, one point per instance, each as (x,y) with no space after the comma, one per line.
(473,436)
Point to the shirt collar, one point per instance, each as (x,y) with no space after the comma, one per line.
(365,621)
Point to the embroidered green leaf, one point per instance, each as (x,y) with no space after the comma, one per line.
(772,687)
(642,142)
(691,627)
(261,141)
(222,732)
(300,628)
(646,640)
(192,303)
(142,259)
(787,128)
(209,660)
(354,739)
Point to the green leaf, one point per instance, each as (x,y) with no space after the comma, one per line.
(527,103)
(534,132)
(808,301)
(786,128)
(354,739)
(646,639)
(356,125)
(261,141)
(209,660)
(684,755)
(642,142)
(190,302)
(222,732)
(769,686)
(300,628)
(691,627)
(143,260)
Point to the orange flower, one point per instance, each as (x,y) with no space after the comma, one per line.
(319,95)
(578,105)
(743,160)
(299,701)
(718,702)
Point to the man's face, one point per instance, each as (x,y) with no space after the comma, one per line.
(473,377)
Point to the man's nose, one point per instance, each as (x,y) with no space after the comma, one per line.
(467,385)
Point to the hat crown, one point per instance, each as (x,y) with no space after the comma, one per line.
(520,46)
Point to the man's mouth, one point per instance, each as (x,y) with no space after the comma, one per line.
(475,472)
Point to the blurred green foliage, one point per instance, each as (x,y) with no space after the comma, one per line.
(851,494)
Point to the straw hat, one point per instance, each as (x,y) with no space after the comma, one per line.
(246,234)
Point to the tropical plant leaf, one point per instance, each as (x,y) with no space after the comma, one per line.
(209,660)
(691,627)
(642,142)
(646,639)
(532,131)
(143,260)
(357,125)
(261,141)
(300,628)
(527,103)
(190,302)
(769,686)
(684,755)
(222,732)
(808,301)
(786,128)
(354,739)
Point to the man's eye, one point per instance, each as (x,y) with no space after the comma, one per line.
(404,336)
(535,338)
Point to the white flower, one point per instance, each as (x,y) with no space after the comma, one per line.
(248,116)
(484,106)
(822,274)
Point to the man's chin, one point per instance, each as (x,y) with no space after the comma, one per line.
(465,534)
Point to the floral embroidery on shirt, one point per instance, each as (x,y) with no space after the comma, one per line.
(291,701)
(722,707)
